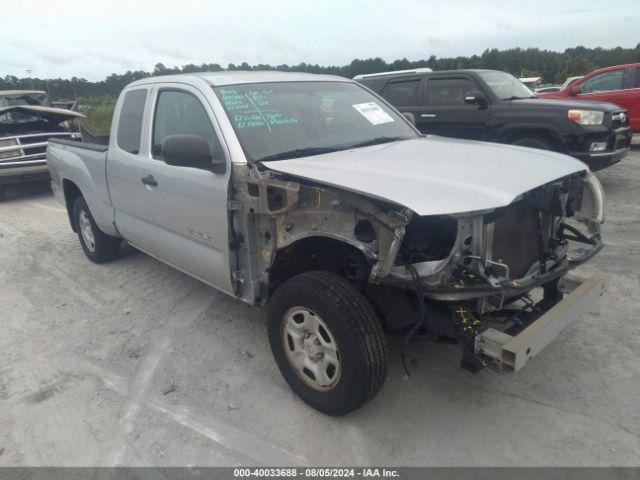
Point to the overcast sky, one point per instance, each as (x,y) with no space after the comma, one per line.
(92,39)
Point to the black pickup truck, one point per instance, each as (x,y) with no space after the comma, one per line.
(495,106)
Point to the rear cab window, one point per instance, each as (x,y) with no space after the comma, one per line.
(130,121)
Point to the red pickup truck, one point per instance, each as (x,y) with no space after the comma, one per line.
(619,84)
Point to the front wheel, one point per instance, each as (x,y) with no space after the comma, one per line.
(327,341)
(97,245)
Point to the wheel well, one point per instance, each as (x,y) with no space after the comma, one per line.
(547,136)
(319,253)
(71,194)
(394,306)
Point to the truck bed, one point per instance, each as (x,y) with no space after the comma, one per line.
(96,147)
(82,166)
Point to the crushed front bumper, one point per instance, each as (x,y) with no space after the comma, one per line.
(510,353)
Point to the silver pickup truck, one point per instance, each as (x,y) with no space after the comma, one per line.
(313,196)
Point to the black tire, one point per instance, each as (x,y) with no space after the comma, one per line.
(533,142)
(351,320)
(105,247)
(3,193)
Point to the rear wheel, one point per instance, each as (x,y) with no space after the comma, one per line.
(534,142)
(97,245)
(327,341)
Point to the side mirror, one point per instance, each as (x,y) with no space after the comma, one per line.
(475,97)
(574,90)
(410,116)
(190,151)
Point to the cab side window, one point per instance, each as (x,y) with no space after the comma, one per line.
(603,82)
(403,93)
(180,113)
(130,122)
(448,91)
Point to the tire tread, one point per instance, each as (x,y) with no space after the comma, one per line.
(365,327)
(107,247)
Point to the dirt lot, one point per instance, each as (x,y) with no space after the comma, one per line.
(135,363)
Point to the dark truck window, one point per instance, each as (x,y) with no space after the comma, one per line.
(403,94)
(448,91)
(180,113)
(130,123)
(603,82)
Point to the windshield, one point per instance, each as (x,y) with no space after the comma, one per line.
(505,86)
(281,120)
(32,98)
(13,117)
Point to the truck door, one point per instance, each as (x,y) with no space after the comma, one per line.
(607,86)
(185,208)
(444,111)
(123,163)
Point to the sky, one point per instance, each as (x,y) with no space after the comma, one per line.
(92,39)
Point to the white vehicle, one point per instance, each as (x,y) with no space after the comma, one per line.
(570,81)
(27,121)
(313,196)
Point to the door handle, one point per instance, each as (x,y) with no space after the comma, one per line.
(149,180)
(428,115)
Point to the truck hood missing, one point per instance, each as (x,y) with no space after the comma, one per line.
(435,175)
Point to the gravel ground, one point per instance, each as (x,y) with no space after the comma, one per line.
(135,363)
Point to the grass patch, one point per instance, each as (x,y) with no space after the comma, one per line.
(99,112)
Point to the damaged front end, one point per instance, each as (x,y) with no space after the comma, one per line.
(282,227)
(497,255)
(487,276)
(494,273)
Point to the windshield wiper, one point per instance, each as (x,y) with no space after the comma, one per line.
(308,151)
(374,141)
(299,152)
(518,98)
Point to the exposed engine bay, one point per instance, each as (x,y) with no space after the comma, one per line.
(475,269)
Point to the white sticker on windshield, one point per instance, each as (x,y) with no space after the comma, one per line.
(372,112)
